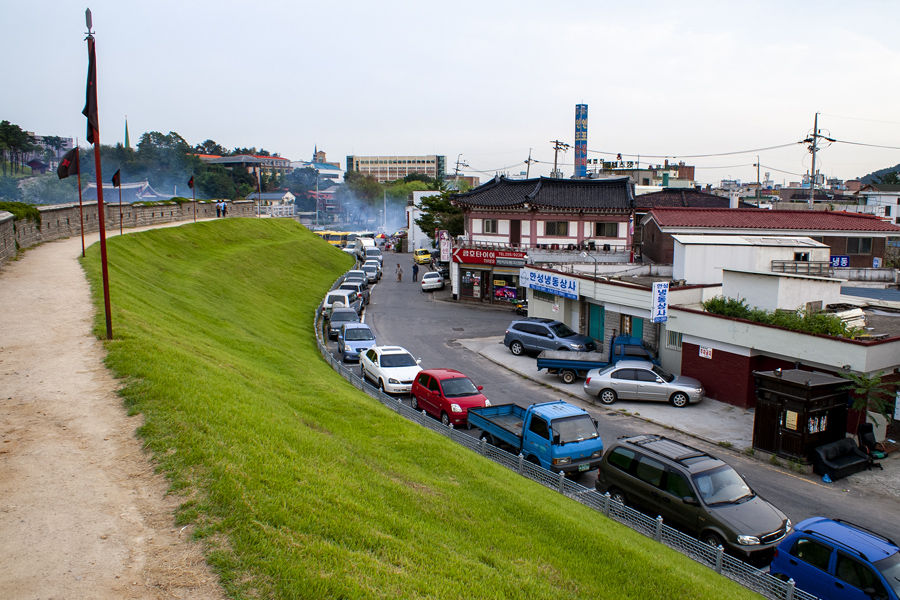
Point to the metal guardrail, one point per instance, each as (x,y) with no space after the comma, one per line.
(714,558)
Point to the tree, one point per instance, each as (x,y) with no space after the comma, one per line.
(891,178)
(210,147)
(870,394)
(10,190)
(55,142)
(439,213)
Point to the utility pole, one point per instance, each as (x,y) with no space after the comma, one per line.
(757,181)
(557,146)
(813,148)
(528,162)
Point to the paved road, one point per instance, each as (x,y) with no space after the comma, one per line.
(400,314)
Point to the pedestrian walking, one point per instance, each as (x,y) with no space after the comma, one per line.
(218,209)
(224,208)
(399,272)
(415,271)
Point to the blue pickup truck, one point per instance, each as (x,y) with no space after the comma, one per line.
(556,435)
(572,365)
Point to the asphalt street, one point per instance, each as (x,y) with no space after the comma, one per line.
(445,333)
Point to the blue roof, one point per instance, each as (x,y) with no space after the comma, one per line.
(558,409)
(873,293)
(874,548)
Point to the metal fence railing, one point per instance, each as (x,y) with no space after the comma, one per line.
(714,558)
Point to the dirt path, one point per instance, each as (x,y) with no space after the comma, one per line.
(82,514)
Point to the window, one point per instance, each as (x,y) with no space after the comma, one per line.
(855,573)
(539,427)
(649,470)
(673,340)
(606,230)
(678,486)
(490,226)
(859,245)
(557,228)
(624,374)
(621,458)
(887,211)
(812,552)
(433,386)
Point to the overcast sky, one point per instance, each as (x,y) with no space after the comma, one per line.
(489,80)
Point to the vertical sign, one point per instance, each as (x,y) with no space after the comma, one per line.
(581,140)
(659,311)
(444,237)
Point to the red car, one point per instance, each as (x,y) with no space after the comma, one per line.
(446,394)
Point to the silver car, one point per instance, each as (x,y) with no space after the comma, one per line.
(641,380)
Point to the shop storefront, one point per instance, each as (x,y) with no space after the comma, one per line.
(489,275)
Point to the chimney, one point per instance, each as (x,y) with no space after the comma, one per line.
(733,199)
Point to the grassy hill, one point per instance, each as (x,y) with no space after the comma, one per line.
(303,487)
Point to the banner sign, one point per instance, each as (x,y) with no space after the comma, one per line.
(473,256)
(552,283)
(444,237)
(840,261)
(659,311)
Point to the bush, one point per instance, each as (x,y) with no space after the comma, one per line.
(799,320)
(22,211)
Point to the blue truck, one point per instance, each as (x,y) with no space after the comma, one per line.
(555,435)
(572,365)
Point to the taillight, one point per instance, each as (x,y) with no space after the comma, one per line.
(587,381)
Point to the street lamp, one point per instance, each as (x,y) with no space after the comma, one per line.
(594,258)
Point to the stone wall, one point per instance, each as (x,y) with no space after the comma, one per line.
(63,220)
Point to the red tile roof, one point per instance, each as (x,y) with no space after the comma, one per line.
(753,218)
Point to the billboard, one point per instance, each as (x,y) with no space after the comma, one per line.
(581,140)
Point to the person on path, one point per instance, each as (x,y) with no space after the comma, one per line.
(415,271)
(218,209)
(224,208)
(399,272)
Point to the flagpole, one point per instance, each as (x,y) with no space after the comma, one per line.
(194,198)
(120,206)
(92,113)
(80,205)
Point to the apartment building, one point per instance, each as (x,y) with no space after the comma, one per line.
(391,168)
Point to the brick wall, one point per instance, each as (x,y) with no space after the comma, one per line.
(63,220)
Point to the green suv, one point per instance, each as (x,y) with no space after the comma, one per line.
(693,492)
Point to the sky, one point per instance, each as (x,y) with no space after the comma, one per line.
(721,85)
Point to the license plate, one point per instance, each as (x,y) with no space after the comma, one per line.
(583,467)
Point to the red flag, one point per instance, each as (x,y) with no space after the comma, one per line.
(117,180)
(191,182)
(90,105)
(69,164)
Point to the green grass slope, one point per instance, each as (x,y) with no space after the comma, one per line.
(300,485)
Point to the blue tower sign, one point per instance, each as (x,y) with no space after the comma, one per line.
(581,140)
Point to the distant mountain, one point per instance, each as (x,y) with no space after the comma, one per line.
(870,178)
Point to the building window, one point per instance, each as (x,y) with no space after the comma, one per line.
(859,245)
(606,230)
(490,226)
(557,228)
(887,211)
(626,323)
(673,340)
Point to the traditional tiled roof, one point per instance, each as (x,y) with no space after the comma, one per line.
(683,197)
(131,192)
(616,194)
(770,220)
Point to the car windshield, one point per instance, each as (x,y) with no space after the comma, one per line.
(722,485)
(575,429)
(397,360)
(458,387)
(358,334)
(667,377)
(432,275)
(562,330)
(890,568)
(344,316)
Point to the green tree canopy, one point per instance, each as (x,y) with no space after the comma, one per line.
(438,213)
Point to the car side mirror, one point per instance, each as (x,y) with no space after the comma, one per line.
(480,387)
(596,424)
(659,380)
(418,361)
(690,500)
(555,439)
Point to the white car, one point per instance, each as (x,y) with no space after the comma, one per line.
(391,368)
(377,265)
(432,280)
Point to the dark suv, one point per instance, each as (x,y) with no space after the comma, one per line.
(693,492)
(838,560)
(545,334)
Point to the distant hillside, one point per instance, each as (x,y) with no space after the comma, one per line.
(870,178)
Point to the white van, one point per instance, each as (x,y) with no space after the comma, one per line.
(363,244)
(346,298)
(374,254)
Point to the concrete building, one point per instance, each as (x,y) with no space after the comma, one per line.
(392,168)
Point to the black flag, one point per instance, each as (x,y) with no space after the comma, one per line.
(90,105)
(69,164)
(191,182)
(117,180)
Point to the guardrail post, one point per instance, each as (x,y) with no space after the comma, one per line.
(399,405)
(606,504)
(482,447)
(422,418)
(720,552)
(562,482)
(450,431)
(521,463)
(658,533)
(789,592)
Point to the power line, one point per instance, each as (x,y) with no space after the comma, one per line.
(751,151)
(867,145)
(859,119)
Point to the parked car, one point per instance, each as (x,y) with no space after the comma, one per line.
(338,317)
(372,273)
(446,394)
(432,280)
(357,274)
(358,287)
(346,298)
(422,256)
(391,368)
(374,253)
(694,492)
(537,334)
(377,265)
(443,268)
(641,380)
(354,339)
(839,560)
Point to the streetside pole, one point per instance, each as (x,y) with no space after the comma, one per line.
(194,200)
(80,205)
(120,207)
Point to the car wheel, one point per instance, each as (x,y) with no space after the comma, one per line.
(568,376)
(679,399)
(362,371)
(516,348)
(563,349)
(487,438)
(414,402)
(445,419)
(533,460)
(381,385)
(617,495)
(712,539)
(607,396)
